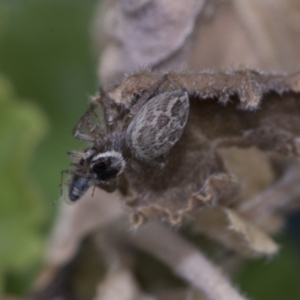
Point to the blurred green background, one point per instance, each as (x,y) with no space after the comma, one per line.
(47,72)
(46,75)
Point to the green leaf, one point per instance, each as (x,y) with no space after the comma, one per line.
(276,278)
(46,52)
(22,211)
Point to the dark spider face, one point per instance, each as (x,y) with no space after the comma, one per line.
(98,169)
(107,165)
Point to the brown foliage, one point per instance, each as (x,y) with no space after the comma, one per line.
(235,108)
(232,176)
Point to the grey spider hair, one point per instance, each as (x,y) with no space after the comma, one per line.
(145,131)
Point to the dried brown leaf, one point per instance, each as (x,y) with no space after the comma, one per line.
(234,232)
(177,294)
(245,33)
(271,205)
(276,42)
(234,108)
(164,27)
(75,222)
(223,42)
(76,278)
(120,284)
(241,108)
(254,173)
(211,48)
(185,260)
(248,85)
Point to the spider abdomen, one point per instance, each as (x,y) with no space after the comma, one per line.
(158,125)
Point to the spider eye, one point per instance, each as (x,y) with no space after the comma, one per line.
(108,165)
(103,170)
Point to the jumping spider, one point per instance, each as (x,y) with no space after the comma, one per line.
(145,130)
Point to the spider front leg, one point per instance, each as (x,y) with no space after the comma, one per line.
(112,111)
(86,121)
(76,156)
(67,171)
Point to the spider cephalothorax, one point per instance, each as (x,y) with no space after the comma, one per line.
(92,168)
(107,165)
(146,130)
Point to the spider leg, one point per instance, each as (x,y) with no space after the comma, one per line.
(107,105)
(76,156)
(114,112)
(62,178)
(84,136)
(86,121)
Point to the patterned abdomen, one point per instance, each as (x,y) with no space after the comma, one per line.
(158,125)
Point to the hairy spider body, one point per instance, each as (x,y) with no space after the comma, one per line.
(158,125)
(144,131)
(140,119)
